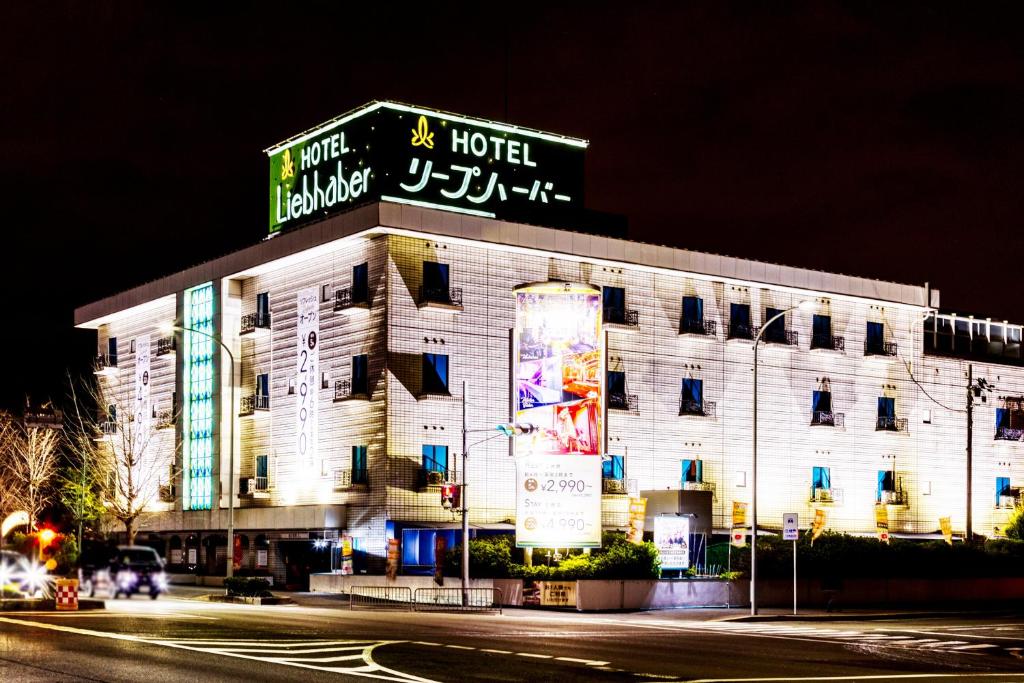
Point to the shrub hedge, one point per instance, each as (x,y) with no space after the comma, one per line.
(248,587)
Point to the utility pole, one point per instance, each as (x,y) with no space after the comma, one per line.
(462,503)
(968,529)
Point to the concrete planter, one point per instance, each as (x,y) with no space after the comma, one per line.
(889,592)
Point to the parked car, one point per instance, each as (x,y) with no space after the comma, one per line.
(129,569)
(11,580)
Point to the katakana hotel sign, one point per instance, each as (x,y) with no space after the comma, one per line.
(386,151)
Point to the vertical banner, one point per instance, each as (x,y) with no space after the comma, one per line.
(947,529)
(739,514)
(818,526)
(346,555)
(236,555)
(141,409)
(392,568)
(882,523)
(307,364)
(440,551)
(637,512)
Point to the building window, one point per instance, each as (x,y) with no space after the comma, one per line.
(435,373)
(739,322)
(361,284)
(263,309)
(874,342)
(436,285)
(614,305)
(359,464)
(886,484)
(693,315)
(692,401)
(435,459)
(776,331)
(886,414)
(1010,419)
(1003,490)
(692,471)
(360,377)
(616,386)
(821,409)
(926,416)
(262,391)
(262,473)
(613,468)
(821,332)
(821,480)
(112,352)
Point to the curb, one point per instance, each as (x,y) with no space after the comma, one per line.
(871,616)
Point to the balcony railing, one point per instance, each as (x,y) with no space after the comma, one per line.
(688,406)
(104,363)
(167,493)
(254,321)
(829,342)
(254,486)
(165,419)
(165,345)
(821,418)
(348,478)
(1009,434)
(893,498)
(613,486)
(449,297)
(107,429)
(699,486)
(350,298)
(742,331)
(708,328)
(826,496)
(785,337)
(621,316)
(252,403)
(620,401)
(890,424)
(343,391)
(1008,501)
(880,348)
(431,478)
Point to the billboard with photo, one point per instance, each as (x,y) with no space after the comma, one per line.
(559,368)
(672,537)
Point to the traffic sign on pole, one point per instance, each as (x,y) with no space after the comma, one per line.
(790,526)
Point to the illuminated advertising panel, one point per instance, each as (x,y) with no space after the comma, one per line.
(558,370)
(401,153)
(307,370)
(672,537)
(197,418)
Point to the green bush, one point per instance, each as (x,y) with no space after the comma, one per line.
(248,587)
(1015,525)
(489,557)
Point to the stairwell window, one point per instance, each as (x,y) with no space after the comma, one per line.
(614,305)
(360,284)
(360,378)
(692,402)
(692,471)
(739,322)
(613,467)
(435,373)
(821,408)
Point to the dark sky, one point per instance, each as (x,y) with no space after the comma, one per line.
(879,139)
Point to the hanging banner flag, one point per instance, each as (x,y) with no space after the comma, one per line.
(558,501)
(391,571)
(739,514)
(307,365)
(346,555)
(947,529)
(818,526)
(637,511)
(141,409)
(440,552)
(739,537)
(882,523)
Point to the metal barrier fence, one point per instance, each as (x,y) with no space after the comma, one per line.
(450,600)
(380,597)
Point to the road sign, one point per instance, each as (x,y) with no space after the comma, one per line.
(790,526)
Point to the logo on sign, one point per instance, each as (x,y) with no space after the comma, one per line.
(421,135)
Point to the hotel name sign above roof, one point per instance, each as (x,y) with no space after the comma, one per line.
(386,151)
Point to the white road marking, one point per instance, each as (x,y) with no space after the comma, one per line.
(535,656)
(588,662)
(975,646)
(497,652)
(421,642)
(460,647)
(886,677)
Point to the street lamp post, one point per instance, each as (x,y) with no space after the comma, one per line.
(231,448)
(753,497)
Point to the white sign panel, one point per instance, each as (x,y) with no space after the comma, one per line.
(558,501)
(790,526)
(672,537)
(307,365)
(142,410)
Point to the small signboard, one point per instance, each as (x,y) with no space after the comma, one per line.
(739,514)
(637,512)
(672,537)
(790,526)
(739,537)
(558,593)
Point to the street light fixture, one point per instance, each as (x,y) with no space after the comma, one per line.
(231,444)
(805,305)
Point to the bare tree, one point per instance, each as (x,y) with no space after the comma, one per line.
(8,427)
(30,456)
(118,452)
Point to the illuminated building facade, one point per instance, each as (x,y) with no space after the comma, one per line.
(861,398)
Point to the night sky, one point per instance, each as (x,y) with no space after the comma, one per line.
(878,139)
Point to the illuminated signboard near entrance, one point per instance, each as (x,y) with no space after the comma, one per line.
(410,155)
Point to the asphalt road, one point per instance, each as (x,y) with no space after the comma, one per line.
(188,640)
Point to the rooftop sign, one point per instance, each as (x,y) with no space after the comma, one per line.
(411,155)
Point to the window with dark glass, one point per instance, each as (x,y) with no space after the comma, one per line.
(692,471)
(614,305)
(112,352)
(886,483)
(435,282)
(821,478)
(112,412)
(262,469)
(612,467)
(1002,488)
(360,377)
(693,314)
(739,321)
(821,408)
(616,386)
(263,309)
(875,340)
(821,332)
(886,413)
(359,464)
(776,331)
(360,283)
(262,385)
(435,373)
(435,458)
(692,402)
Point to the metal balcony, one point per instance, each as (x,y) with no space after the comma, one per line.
(880,349)
(620,401)
(252,403)
(828,342)
(251,322)
(700,486)
(165,346)
(697,408)
(1008,501)
(104,364)
(165,419)
(706,328)
(347,298)
(1009,434)
(167,493)
(344,391)
(895,498)
(621,316)
(349,478)
(821,418)
(890,424)
(439,297)
(613,486)
(783,338)
(106,429)
(826,496)
(742,331)
(428,479)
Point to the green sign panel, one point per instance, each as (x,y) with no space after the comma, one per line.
(387,151)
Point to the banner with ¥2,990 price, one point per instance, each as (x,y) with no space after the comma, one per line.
(558,501)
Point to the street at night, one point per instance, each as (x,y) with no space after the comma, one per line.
(188,639)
